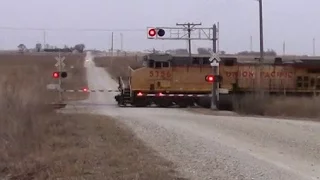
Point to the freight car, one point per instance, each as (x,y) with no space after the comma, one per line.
(278,75)
(167,80)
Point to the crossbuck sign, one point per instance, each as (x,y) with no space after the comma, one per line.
(60,62)
(214,59)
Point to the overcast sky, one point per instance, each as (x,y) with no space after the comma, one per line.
(294,21)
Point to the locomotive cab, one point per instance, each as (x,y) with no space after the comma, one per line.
(156,60)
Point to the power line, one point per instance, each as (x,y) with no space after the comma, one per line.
(69,29)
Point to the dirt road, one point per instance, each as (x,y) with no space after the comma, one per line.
(217,147)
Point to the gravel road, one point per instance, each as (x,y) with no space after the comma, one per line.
(217,147)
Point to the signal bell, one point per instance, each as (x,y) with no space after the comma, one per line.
(57,75)
(213,78)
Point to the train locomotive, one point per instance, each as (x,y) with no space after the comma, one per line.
(177,80)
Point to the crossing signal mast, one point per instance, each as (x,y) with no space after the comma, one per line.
(189,31)
(184,31)
(59,75)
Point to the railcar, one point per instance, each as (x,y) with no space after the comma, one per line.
(166,80)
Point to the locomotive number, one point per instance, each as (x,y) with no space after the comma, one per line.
(162,74)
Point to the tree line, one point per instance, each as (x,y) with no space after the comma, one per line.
(38,48)
(206,51)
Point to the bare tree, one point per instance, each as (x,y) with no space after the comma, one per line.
(79,47)
(269,52)
(38,47)
(204,51)
(22,48)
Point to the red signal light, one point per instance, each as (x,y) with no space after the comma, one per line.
(210,78)
(152,32)
(139,94)
(213,78)
(85,90)
(55,75)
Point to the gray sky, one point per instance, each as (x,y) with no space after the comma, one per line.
(293,21)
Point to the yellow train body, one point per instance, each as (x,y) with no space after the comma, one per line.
(171,79)
(184,77)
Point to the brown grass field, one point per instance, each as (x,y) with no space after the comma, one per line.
(40,68)
(38,143)
(117,65)
(301,107)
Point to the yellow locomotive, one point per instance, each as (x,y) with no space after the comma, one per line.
(167,80)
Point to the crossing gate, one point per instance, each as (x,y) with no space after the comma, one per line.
(89,90)
(177,95)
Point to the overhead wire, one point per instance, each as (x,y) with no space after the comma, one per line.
(70,29)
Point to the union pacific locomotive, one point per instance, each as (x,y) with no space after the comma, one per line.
(167,80)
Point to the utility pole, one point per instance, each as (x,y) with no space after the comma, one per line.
(189,27)
(44,38)
(284,47)
(261,31)
(112,43)
(314,46)
(218,38)
(121,37)
(250,43)
(261,59)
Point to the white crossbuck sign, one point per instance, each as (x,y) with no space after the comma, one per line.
(214,59)
(60,62)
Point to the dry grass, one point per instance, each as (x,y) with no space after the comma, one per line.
(302,107)
(41,66)
(117,65)
(27,124)
(37,143)
(78,146)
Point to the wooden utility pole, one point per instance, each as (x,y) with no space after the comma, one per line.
(112,43)
(251,44)
(189,27)
(121,37)
(314,46)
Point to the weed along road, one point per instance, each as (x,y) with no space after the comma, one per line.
(216,147)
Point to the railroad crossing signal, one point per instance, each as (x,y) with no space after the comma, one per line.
(154,32)
(213,78)
(187,32)
(57,74)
